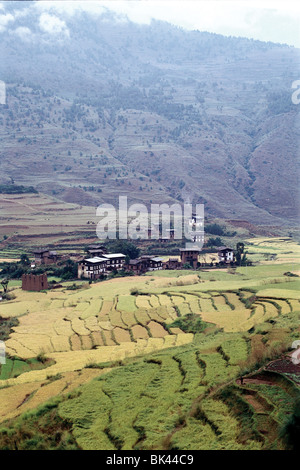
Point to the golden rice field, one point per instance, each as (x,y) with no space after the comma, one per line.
(105,323)
(21,397)
(107,316)
(274,250)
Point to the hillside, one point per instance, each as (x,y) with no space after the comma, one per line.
(154,362)
(108,107)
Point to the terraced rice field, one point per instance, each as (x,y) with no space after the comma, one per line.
(137,406)
(103,315)
(169,398)
(274,250)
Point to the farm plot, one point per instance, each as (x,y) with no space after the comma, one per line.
(128,318)
(157,330)
(232,321)
(165,300)
(184,308)
(143,301)
(154,301)
(220,303)
(236,349)
(270,308)
(139,331)
(83,321)
(78,359)
(177,299)
(92,310)
(138,407)
(17,399)
(206,305)
(234,300)
(126,303)
(216,369)
(192,371)
(73,325)
(256,316)
(107,315)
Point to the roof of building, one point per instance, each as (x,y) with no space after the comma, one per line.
(157,259)
(114,255)
(189,249)
(96,259)
(40,251)
(96,246)
(223,248)
(136,261)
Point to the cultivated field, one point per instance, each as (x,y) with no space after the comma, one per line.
(164,360)
(37,219)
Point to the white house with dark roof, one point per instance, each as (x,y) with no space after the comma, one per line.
(225,254)
(115,261)
(97,266)
(92,268)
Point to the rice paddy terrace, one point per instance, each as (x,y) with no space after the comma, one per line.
(152,362)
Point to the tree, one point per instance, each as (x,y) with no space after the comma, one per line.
(125,247)
(214,229)
(240,247)
(24,259)
(4,283)
(239,252)
(187,266)
(214,241)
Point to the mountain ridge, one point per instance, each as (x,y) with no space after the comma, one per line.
(153,112)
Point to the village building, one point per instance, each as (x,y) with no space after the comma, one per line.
(189,256)
(115,261)
(137,266)
(225,254)
(34,282)
(96,250)
(145,263)
(172,263)
(45,256)
(92,268)
(97,266)
(154,262)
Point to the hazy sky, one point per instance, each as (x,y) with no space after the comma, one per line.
(267,20)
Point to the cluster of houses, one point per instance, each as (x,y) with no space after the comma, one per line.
(94,267)
(98,263)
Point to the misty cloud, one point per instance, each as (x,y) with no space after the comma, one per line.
(4,20)
(52,24)
(23,32)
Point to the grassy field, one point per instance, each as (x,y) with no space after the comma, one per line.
(165,361)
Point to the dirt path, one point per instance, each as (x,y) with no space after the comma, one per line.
(258,407)
(255,381)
